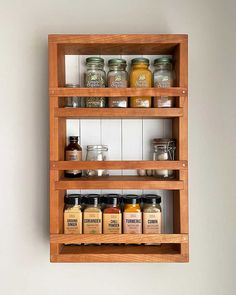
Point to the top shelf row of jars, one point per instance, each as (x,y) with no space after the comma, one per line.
(140,76)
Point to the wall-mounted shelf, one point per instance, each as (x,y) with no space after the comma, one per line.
(174,247)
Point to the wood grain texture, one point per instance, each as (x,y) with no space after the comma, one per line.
(118,113)
(116,165)
(119,182)
(119,238)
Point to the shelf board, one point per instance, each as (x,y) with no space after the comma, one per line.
(119,182)
(119,238)
(121,253)
(117,165)
(117,92)
(119,113)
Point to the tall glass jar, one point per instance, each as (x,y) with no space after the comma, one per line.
(164,78)
(117,77)
(164,150)
(140,77)
(97,153)
(73,101)
(95,77)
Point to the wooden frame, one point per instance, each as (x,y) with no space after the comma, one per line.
(175,247)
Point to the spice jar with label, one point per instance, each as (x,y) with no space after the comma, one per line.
(164,78)
(132,215)
(140,77)
(164,150)
(151,214)
(73,101)
(95,77)
(73,152)
(112,217)
(72,214)
(117,77)
(97,153)
(92,215)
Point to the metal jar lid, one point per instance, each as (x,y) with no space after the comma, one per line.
(162,60)
(163,141)
(140,60)
(97,147)
(95,60)
(117,62)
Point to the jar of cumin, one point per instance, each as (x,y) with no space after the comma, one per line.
(117,77)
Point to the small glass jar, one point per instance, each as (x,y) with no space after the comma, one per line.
(92,215)
(95,77)
(152,214)
(117,77)
(140,77)
(164,150)
(112,217)
(73,101)
(73,152)
(72,214)
(132,215)
(97,153)
(164,78)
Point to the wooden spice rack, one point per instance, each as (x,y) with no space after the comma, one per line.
(174,247)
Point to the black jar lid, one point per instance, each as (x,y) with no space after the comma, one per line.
(73,138)
(132,199)
(92,199)
(72,199)
(151,199)
(112,199)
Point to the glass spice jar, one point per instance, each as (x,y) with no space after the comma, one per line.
(112,216)
(163,77)
(164,150)
(72,214)
(140,77)
(73,152)
(151,214)
(97,153)
(92,215)
(73,101)
(132,215)
(117,77)
(95,77)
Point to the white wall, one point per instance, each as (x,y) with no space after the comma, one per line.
(24,247)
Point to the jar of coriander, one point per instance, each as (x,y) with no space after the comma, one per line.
(95,77)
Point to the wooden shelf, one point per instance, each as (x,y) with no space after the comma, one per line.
(118,113)
(121,253)
(117,92)
(174,247)
(119,238)
(119,182)
(117,165)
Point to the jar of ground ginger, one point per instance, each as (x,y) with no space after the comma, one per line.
(72,214)
(140,77)
(112,217)
(132,215)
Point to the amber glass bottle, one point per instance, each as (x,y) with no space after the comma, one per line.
(73,152)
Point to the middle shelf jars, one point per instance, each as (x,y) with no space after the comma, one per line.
(140,77)
(97,153)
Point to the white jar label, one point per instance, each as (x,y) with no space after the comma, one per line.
(152,223)
(132,223)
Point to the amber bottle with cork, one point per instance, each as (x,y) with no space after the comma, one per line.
(73,152)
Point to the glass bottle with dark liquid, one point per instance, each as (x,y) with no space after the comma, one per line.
(73,152)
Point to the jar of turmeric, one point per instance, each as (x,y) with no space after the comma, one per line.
(132,216)
(140,77)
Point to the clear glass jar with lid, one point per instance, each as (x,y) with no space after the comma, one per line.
(140,77)
(95,77)
(164,78)
(117,77)
(97,153)
(164,150)
(73,101)
(152,214)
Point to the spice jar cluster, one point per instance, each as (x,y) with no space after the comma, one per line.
(112,214)
(140,76)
